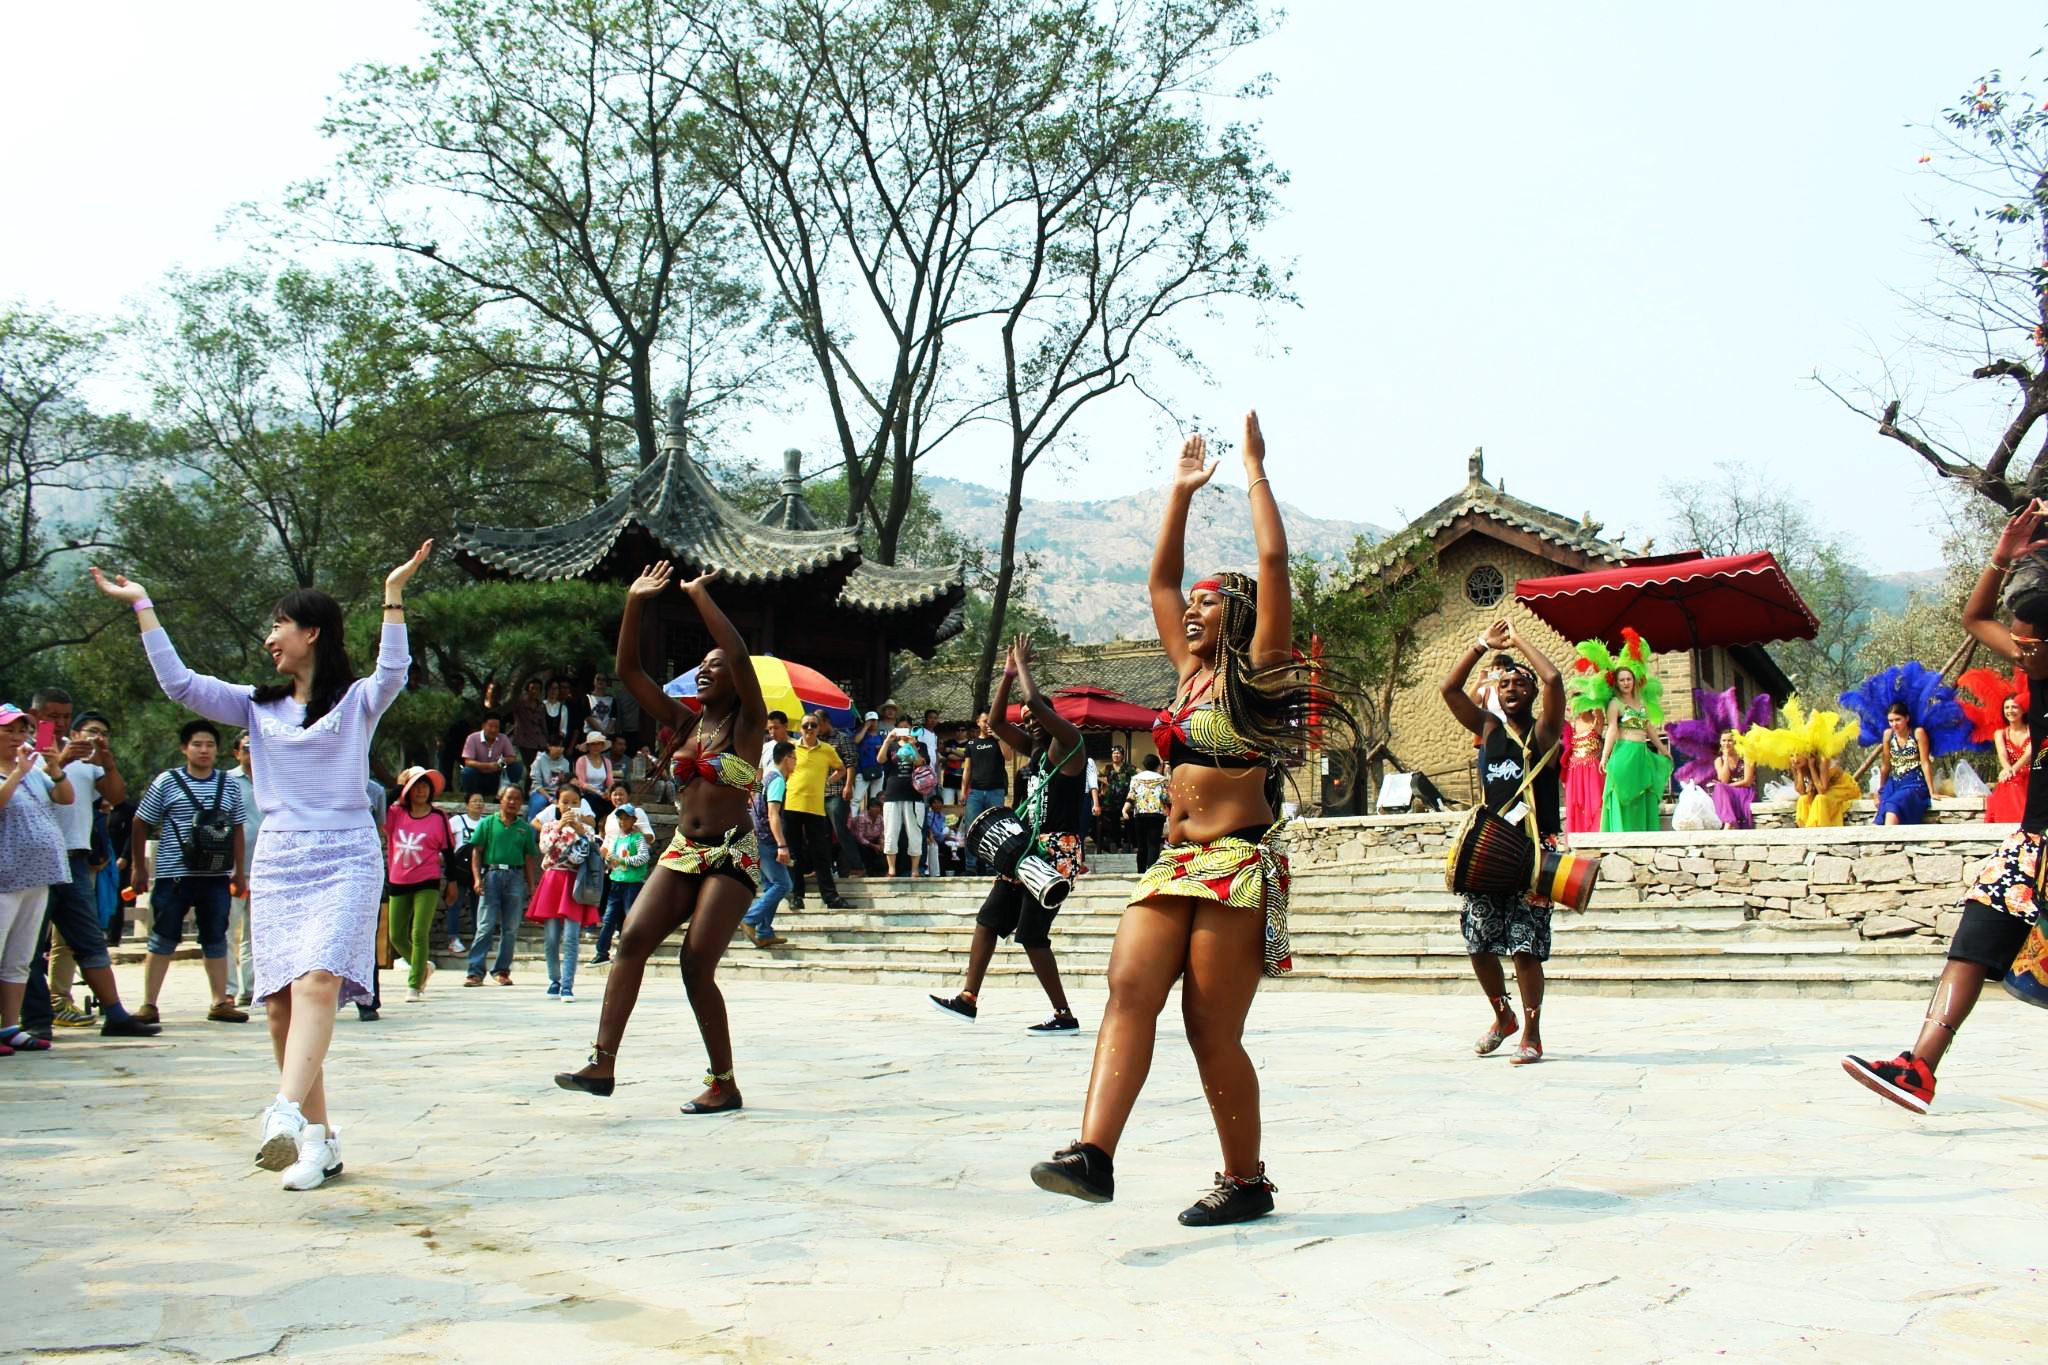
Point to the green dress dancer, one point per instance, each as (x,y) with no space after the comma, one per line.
(1638,769)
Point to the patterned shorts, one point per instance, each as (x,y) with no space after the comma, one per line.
(1506,926)
(1236,869)
(737,856)
(2005,880)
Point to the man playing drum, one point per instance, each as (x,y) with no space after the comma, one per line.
(1518,763)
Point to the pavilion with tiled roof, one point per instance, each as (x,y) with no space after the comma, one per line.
(792,587)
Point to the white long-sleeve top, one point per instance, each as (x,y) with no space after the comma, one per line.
(305,778)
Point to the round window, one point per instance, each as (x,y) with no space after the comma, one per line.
(1484,586)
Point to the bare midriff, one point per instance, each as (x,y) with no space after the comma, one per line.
(1208,803)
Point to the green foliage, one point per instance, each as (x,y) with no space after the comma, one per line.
(1363,611)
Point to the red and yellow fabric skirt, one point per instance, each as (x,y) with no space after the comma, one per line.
(738,854)
(1247,868)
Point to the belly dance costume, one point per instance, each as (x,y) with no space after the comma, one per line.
(1584,784)
(2008,800)
(1637,776)
(738,854)
(1247,867)
(1905,792)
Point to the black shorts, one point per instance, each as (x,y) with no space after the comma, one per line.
(1015,914)
(1989,938)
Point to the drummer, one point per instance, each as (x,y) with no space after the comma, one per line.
(1059,760)
(1514,742)
(2001,904)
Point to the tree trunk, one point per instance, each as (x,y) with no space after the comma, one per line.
(645,428)
(1006,575)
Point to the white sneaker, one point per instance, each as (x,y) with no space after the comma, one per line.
(281,1125)
(456,947)
(319,1159)
(414,995)
(401,966)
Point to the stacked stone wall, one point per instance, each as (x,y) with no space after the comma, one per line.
(1882,882)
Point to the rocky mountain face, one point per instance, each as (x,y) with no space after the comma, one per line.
(1093,555)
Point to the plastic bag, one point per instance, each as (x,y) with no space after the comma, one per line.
(1967,783)
(1779,789)
(1695,809)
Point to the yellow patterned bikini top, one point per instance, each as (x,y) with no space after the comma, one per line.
(727,769)
(1200,733)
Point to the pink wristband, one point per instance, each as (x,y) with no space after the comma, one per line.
(144,604)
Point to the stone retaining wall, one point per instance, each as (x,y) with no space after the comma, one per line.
(1880,881)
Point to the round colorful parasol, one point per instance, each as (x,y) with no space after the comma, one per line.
(787,687)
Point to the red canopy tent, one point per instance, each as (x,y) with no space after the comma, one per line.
(1094,708)
(1675,603)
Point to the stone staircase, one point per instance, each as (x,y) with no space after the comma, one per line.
(1384,925)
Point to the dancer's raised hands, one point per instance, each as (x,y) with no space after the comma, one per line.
(653,580)
(1254,441)
(395,581)
(1194,468)
(119,588)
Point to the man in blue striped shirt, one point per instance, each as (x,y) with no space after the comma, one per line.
(183,810)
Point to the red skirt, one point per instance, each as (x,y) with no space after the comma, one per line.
(1584,788)
(551,899)
(2008,800)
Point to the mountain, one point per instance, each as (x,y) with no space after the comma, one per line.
(1093,556)
(1891,592)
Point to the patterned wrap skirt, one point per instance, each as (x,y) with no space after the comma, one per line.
(2006,881)
(738,854)
(313,897)
(1235,870)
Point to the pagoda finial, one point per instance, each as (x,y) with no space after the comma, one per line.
(675,414)
(792,471)
(1475,467)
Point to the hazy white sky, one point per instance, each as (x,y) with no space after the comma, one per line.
(1608,242)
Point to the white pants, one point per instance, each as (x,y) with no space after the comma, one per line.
(241,964)
(21,920)
(864,788)
(904,818)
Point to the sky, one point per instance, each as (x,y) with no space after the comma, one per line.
(1610,243)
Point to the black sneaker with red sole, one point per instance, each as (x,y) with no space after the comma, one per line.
(1904,1080)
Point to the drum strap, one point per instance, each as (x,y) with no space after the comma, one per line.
(1529,775)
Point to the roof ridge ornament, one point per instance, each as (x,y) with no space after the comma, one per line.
(1475,469)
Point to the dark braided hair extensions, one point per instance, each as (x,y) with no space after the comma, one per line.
(1273,708)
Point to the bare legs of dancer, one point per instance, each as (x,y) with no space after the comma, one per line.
(712,905)
(1043,963)
(301,1019)
(1528,984)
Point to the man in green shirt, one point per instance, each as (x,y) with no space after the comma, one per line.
(504,862)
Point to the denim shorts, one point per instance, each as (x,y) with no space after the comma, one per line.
(207,900)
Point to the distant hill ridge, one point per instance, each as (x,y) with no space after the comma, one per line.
(1093,555)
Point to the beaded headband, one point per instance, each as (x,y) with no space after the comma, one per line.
(1216,586)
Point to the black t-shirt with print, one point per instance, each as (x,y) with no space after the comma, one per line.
(904,757)
(984,764)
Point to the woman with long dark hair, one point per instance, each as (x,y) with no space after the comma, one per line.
(707,878)
(1213,908)
(318,871)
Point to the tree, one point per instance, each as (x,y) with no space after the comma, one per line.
(58,454)
(1736,512)
(1132,211)
(1357,617)
(1989,307)
(543,160)
(1930,625)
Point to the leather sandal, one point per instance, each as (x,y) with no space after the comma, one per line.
(601,1086)
(1490,1041)
(715,1081)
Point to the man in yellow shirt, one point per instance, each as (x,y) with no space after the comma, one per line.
(810,836)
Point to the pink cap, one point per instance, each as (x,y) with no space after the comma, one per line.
(10,713)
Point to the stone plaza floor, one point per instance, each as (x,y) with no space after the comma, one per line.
(1683,1180)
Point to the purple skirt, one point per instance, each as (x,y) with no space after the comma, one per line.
(313,897)
(1733,804)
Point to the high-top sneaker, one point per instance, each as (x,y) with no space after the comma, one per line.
(319,1159)
(280,1125)
(1231,1201)
(1904,1080)
(1082,1170)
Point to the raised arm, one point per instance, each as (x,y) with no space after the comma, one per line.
(394,659)
(1066,736)
(2021,537)
(1169,554)
(1452,689)
(665,709)
(999,708)
(1273,636)
(222,702)
(753,711)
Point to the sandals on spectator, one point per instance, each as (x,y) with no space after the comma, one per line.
(21,1040)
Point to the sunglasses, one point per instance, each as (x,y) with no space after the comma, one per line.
(808,725)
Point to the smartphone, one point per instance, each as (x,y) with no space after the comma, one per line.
(46,737)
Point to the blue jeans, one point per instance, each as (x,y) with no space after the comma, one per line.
(775,883)
(464,900)
(979,799)
(564,937)
(618,904)
(504,902)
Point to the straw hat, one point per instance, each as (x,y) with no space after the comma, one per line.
(435,782)
(595,738)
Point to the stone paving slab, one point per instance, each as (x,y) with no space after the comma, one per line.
(1684,1180)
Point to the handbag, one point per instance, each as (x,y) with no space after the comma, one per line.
(924,779)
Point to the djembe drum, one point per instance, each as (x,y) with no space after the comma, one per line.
(1490,856)
(2028,979)
(1004,842)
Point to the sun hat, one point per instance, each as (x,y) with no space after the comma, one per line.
(594,738)
(435,782)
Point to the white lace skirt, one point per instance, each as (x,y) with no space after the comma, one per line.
(313,896)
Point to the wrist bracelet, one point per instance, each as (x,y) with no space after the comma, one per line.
(2002,568)
(398,607)
(144,604)
(1009,672)
(1255,483)
(1479,643)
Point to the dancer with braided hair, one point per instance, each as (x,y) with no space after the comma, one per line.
(1212,912)
(2004,898)
(706,879)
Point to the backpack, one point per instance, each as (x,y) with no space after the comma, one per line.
(925,780)
(209,845)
